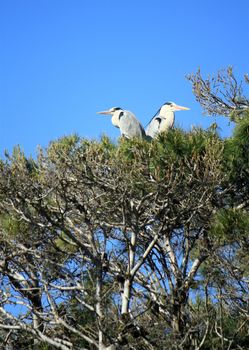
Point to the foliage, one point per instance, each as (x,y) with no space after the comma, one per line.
(135,245)
(221,94)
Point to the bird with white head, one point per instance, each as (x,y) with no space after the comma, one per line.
(126,121)
(164,119)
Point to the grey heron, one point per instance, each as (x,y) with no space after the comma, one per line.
(163,119)
(126,121)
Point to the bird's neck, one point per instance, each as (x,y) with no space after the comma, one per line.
(115,119)
(169,115)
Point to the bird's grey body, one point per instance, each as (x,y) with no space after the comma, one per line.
(129,125)
(163,120)
(126,121)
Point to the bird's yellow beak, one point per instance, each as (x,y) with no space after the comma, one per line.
(181,108)
(104,112)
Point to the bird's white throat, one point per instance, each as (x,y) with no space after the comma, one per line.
(115,118)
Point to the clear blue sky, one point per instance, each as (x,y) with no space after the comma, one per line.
(61,61)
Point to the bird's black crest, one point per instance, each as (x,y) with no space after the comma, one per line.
(168,103)
(117,108)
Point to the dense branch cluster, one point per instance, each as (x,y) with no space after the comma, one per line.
(131,246)
(221,94)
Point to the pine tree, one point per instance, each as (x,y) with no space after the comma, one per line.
(135,245)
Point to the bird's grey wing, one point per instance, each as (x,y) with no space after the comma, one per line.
(153,127)
(130,126)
